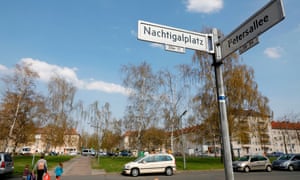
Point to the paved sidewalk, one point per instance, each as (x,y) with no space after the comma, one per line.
(78,166)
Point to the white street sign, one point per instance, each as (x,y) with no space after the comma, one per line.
(248,45)
(174,48)
(176,37)
(262,20)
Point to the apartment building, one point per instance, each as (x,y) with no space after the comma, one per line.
(42,143)
(285,137)
(265,136)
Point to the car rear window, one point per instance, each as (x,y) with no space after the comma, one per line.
(7,158)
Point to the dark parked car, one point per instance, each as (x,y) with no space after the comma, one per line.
(112,154)
(6,163)
(252,163)
(287,162)
(125,153)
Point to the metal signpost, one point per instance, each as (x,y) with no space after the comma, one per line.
(217,62)
(243,38)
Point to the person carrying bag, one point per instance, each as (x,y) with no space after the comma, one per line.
(41,169)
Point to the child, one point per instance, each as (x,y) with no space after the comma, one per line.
(26,172)
(58,171)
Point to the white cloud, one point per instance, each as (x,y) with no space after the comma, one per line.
(204,6)
(106,87)
(3,68)
(46,71)
(273,52)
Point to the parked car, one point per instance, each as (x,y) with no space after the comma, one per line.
(6,163)
(252,163)
(88,152)
(125,153)
(287,162)
(26,151)
(152,163)
(101,153)
(52,153)
(72,153)
(275,154)
(112,153)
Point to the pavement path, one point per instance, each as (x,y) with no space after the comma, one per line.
(78,166)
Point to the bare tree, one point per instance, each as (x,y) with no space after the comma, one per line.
(141,109)
(173,101)
(20,106)
(61,105)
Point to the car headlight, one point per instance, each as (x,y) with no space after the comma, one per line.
(241,164)
(284,163)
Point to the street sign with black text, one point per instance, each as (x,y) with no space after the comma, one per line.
(262,20)
(174,37)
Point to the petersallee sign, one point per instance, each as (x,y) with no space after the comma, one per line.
(173,36)
(262,20)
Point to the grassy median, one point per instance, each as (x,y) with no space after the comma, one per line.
(115,164)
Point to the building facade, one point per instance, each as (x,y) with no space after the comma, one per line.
(285,137)
(265,137)
(41,143)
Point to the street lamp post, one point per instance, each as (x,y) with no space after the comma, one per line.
(181,127)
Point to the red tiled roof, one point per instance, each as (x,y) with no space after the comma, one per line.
(285,125)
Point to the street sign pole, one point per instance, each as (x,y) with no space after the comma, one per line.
(217,62)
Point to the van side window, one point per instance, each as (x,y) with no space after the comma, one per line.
(150,159)
(297,158)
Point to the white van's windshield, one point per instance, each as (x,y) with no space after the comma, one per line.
(139,159)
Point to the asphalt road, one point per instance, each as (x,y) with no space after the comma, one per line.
(79,168)
(203,175)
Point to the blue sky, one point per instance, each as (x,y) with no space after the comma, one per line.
(87,41)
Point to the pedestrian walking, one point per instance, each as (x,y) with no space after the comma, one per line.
(40,167)
(58,171)
(26,172)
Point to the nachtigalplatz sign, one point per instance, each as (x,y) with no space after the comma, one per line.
(173,36)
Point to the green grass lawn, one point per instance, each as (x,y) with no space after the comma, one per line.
(21,161)
(115,164)
(199,163)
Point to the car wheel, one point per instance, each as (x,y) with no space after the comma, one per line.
(169,171)
(291,168)
(247,169)
(135,172)
(269,169)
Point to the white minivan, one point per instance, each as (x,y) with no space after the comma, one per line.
(152,163)
(88,152)
(26,151)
